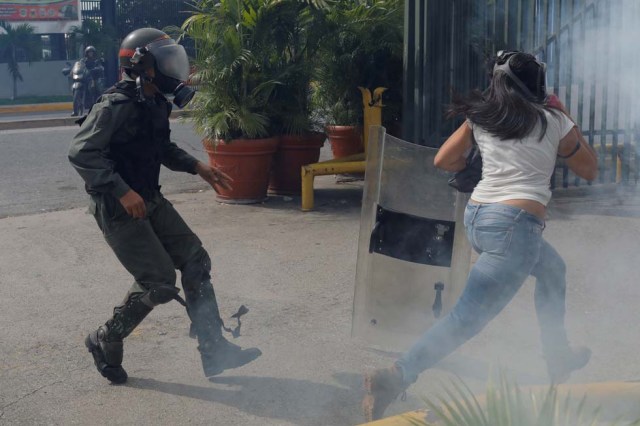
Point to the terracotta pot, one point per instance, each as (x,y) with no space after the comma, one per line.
(248,163)
(345,140)
(293,153)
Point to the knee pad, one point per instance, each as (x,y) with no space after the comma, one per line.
(159,295)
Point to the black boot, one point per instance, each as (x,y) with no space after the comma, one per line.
(107,356)
(105,344)
(216,352)
(224,355)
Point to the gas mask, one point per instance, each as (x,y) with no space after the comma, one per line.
(182,94)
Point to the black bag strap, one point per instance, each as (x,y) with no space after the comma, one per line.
(466,179)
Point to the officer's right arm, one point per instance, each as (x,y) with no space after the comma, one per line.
(87,150)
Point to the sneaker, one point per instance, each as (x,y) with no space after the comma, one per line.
(561,366)
(382,387)
(224,355)
(114,373)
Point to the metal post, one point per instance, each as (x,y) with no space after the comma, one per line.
(108,11)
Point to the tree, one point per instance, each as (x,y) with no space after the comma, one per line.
(91,33)
(16,40)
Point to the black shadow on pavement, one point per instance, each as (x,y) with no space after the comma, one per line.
(298,401)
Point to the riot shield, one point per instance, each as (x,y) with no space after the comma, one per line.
(413,255)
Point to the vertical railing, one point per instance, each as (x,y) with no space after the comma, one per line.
(579,39)
(568,32)
(441,55)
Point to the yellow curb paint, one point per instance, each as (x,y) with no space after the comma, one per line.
(52,107)
(407,419)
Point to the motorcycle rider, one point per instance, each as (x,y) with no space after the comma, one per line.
(93,64)
(118,152)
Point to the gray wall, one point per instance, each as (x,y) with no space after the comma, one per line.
(40,79)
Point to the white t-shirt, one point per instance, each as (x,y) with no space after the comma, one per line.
(519,168)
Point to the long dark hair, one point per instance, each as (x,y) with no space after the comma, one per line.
(504,110)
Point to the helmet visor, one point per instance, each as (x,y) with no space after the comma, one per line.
(171,58)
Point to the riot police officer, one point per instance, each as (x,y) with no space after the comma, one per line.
(118,152)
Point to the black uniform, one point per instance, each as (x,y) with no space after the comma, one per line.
(121,146)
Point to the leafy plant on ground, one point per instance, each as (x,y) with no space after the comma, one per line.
(506,404)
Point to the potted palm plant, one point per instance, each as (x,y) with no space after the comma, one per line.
(235,87)
(362,48)
(297,27)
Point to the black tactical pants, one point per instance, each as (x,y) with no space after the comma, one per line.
(151,249)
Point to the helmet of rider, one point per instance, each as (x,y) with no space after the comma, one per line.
(150,48)
(90,52)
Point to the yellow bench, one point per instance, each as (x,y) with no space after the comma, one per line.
(372,104)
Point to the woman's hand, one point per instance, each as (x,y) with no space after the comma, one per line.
(451,155)
(554,102)
(214,177)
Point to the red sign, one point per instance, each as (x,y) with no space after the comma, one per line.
(38,10)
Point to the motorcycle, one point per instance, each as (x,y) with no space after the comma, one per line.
(87,84)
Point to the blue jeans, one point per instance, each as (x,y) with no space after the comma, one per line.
(509,241)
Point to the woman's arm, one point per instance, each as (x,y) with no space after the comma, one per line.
(578,154)
(451,155)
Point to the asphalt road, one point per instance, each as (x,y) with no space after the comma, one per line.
(37,177)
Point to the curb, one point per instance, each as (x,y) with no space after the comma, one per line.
(39,123)
(51,107)
(412,418)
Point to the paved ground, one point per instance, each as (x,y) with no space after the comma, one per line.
(295,272)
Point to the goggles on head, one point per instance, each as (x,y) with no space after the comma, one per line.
(503,58)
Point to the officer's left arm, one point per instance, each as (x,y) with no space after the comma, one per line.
(177,159)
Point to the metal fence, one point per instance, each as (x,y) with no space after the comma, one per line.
(590,49)
(128,15)
(133,14)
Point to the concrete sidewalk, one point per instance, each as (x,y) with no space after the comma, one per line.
(295,272)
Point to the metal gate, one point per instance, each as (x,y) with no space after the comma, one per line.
(590,47)
(133,14)
(128,15)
